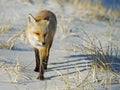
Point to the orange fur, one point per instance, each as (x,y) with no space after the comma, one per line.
(40,32)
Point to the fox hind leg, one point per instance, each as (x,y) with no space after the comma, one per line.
(47,57)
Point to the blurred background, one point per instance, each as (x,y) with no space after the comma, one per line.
(109,4)
(13,11)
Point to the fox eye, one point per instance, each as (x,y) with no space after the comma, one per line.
(36,33)
(45,35)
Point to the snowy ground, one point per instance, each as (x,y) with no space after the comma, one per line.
(17,65)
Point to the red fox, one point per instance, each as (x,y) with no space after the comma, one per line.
(40,32)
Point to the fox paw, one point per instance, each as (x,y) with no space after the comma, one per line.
(45,67)
(36,69)
(40,77)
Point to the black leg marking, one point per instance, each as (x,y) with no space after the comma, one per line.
(37,59)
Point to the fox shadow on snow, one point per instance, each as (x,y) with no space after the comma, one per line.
(71,63)
(80,61)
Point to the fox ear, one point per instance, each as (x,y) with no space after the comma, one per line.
(47,23)
(31,19)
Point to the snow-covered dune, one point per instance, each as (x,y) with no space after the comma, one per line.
(70,66)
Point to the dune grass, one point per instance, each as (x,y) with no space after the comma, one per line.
(103,57)
(7,41)
(91,11)
(102,72)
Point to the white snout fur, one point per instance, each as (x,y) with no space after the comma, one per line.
(34,41)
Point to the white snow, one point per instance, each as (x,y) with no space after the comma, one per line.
(17,65)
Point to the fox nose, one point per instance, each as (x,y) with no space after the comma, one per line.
(43,43)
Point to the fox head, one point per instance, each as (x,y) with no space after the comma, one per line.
(37,31)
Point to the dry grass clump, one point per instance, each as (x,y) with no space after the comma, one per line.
(103,55)
(9,44)
(4,28)
(97,11)
(100,74)
(75,3)
(102,71)
(13,70)
(26,1)
(65,28)
(91,11)
(7,41)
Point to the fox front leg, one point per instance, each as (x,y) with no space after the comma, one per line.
(41,70)
(42,54)
(37,59)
